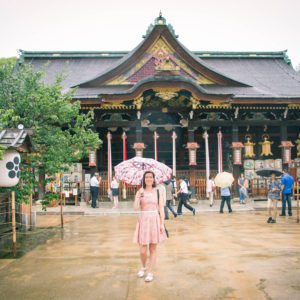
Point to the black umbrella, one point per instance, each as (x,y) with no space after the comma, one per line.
(266,172)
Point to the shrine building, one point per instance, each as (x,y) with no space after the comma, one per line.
(199,112)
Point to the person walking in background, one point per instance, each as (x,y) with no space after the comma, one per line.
(287,183)
(211,189)
(243,193)
(169,198)
(183,195)
(115,192)
(150,228)
(163,197)
(225,197)
(94,186)
(174,189)
(274,189)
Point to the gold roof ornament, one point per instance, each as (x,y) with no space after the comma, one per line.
(163,62)
(138,102)
(166,95)
(266,146)
(249,147)
(195,103)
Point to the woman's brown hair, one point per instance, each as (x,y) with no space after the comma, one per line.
(144,176)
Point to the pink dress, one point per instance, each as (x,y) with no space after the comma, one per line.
(148,225)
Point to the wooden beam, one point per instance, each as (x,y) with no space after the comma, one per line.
(244,123)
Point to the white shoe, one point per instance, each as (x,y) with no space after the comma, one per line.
(141,273)
(149,277)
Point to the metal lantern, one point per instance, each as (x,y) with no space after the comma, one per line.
(10,168)
(298,145)
(237,152)
(249,147)
(266,146)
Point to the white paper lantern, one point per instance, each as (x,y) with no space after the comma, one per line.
(10,168)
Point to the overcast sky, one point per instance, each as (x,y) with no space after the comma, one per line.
(96,25)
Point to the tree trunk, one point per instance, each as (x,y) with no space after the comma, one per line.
(41,188)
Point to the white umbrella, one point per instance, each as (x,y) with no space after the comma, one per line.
(224,179)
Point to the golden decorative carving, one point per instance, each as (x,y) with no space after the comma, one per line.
(166,95)
(160,44)
(294,106)
(195,103)
(138,102)
(165,61)
(266,146)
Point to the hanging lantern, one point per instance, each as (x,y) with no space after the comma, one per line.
(286,151)
(139,148)
(92,158)
(298,145)
(192,147)
(10,168)
(237,152)
(249,147)
(266,146)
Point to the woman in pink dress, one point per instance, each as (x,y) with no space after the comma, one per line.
(150,228)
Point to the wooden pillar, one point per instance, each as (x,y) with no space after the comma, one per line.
(235,168)
(13,219)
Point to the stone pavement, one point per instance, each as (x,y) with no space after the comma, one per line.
(208,256)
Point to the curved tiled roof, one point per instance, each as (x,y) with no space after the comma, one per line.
(242,74)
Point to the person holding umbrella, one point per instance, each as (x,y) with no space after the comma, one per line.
(274,189)
(150,228)
(225,197)
(224,181)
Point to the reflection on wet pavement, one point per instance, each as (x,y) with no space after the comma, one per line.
(209,256)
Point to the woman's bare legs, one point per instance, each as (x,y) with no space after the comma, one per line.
(152,260)
(116,201)
(275,209)
(143,255)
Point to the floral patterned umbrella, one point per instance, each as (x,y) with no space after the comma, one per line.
(131,171)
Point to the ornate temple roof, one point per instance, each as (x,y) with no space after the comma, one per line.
(160,57)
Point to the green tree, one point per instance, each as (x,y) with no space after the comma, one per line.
(62,135)
(7,60)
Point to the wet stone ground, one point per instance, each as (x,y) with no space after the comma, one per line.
(209,256)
